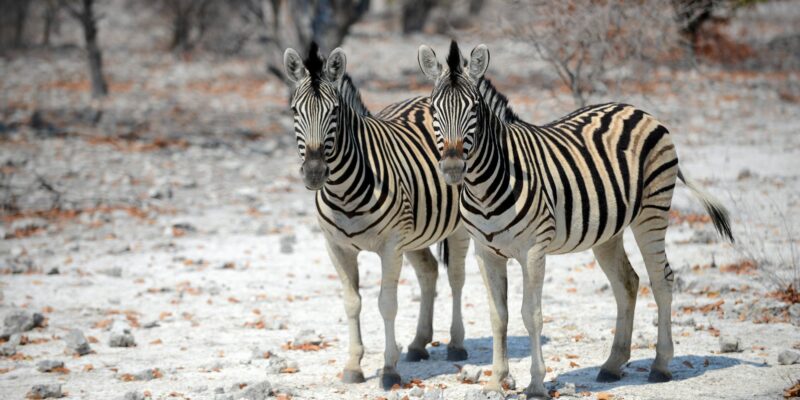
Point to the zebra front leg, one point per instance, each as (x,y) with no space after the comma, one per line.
(346,263)
(533,281)
(649,236)
(427,270)
(391,262)
(493,270)
(457,245)
(624,283)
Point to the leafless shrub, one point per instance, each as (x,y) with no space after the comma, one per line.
(296,23)
(83,11)
(589,41)
(775,250)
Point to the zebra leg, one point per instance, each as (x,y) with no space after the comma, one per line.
(533,280)
(458,244)
(391,262)
(427,270)
(495,277)
(624,283)
(649,231)
(346,264)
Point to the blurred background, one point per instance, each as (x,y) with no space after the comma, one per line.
(148,163)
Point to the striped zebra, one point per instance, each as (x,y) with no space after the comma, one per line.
(377,189)
(571,185)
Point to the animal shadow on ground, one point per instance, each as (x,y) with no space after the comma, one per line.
(480,353)
(636,372)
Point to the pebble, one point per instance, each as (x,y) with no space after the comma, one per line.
(416,391)
(469,374)
(568,389)
(258,391)
(145,375)
(51,391)
(21,321)
(729,344)
(433,393)
(307,336)
(49,365)
(77,343)
(287,244)
(114,272)
(277,364)
(133,395)
(121,339)
(788,357)
(510,383)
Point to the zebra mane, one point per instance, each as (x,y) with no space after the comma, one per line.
(314,63)
(496,101)
(454,62)
(349,93)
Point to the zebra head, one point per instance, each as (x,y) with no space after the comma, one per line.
(315,106)
(455,102)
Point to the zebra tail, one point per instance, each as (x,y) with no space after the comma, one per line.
(444,252)
(715,209)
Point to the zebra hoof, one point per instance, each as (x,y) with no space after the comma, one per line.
(657,376)
(389,379)
(457,354)
(353,376)
(414,355)
(607,376)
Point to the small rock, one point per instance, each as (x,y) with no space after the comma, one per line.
(147,375)
(794,313)
(433,393)
(287,244)
(509,383)
(307,336)
(469,374)
(114,272)
(53,271)
(788,357)
(258,391)
(416,391)
(133,395)
(49,365)
(51,391)
(22,321)
(77,343)
(258,354)
(160,192)
(121,339)
(729,344)
(8,349)
(744,173)
(277,364)
(568,389)
(199,389)
(151,325)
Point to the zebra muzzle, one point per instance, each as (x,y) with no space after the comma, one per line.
(315,172)
(453,168)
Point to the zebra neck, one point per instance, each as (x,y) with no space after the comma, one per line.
(347,163)
(490,164)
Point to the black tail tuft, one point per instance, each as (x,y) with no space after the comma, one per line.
(444,252)
(715,209)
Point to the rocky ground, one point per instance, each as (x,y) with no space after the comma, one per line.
(165,248)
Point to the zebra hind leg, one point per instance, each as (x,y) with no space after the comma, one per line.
(426,268)
(649,231)
(624,283)
(458,244)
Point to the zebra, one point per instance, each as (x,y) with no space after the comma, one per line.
(377,189)
(567,186)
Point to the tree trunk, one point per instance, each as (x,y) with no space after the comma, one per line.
(415,14)
(93,53)
(19,25)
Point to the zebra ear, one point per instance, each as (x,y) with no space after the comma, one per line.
(478,62)
(293,64)
(335,67)
(428,63)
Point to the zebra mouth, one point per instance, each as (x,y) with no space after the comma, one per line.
(315,172)
(453,169)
